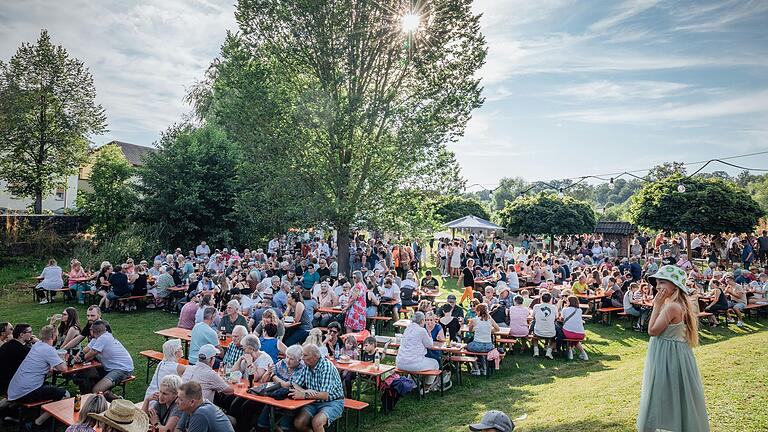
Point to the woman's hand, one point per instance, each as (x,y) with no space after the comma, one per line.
(153,417)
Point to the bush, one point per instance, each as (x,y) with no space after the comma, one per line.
(135,241)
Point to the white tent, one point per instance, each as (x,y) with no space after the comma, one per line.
(472,223)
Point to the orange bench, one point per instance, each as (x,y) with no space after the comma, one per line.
(354,405)
(425,373)
(609,312)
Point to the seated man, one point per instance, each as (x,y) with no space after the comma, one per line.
(13,354)
(28,383)
(116,362)
(118,282)
(202,334)
(163,283)
(203,373)
(93,314)
(319,380)
(428,283)
(544,315)
(738,298)
(200,415)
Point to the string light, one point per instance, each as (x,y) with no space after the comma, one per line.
(681,188)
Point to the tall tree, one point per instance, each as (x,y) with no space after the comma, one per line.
(546,213)
(508,190)
(709,206)
(667,169)
(111,202)
(47,112)
(188,187)
(449,208)
(368,104)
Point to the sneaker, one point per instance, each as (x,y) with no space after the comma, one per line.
(570,354)
(475,372)
(583,355)
(731,320)
(43,301)
(549,354)
(713,324)
(740,324)
(535,351)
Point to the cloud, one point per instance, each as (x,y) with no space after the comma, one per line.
(740,105)
(719,16)
(627,10)
(627,90)
(143,54)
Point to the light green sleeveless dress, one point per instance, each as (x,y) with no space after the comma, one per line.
(672,397)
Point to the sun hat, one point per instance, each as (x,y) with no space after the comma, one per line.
(672,273)
(123,416)
(494,420)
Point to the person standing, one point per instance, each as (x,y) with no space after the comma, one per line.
(672,396)
(467,279)
(762,243)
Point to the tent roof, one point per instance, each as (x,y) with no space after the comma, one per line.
(472,222)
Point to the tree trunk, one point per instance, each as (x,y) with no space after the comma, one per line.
(688,245)
(38,203)
(342,243)
(551,243)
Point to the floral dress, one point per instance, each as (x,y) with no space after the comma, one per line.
(355,318)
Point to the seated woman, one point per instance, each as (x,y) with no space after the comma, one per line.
(270,344)
(482,326)
(69,328)
(51,279)
(162,405)
(77,286)
(301,315)
(407,290)
(573,327)
(93,404)
(281,373)
(373,296)
(169,365)
(412,355)
(139,281)
(315,337)
(255,363)
(719,301)
(518,318)
(435,330)
(326,298)
(332,340)
(270,317)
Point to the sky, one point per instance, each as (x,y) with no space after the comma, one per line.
(572,87)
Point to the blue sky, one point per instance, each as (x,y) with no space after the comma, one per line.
(573,87)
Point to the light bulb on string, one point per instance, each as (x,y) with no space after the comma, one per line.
(611,185)
(560,193)
(681,188)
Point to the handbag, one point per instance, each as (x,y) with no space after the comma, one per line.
(264,389)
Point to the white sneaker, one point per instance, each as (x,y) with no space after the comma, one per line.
(583,355)
(535,351)
(570,353)
(43,301)
(740,324)
(549,354)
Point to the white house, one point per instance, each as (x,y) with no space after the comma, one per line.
(64,197)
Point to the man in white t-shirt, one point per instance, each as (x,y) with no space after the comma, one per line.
(544,315)
(202,250)
(28,383)
(116,362)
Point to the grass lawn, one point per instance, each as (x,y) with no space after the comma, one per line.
(601,394)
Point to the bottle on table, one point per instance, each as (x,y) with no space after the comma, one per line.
(373,330)
(336,352)
(77,402)
(377,359)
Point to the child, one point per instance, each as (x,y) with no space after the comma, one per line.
(269,342)
(344,297)
(350,350)
(369,350)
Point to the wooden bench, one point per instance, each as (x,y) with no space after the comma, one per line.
(756,308)
(29,406)
(377,322)
(68,293)
(122,384)
(155,357)
(461,360)
(358,407)
(489,369)
(425,373)
(123,300)
(609,312)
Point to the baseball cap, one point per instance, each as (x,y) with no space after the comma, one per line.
(451,297)
(494,420)
(208,351)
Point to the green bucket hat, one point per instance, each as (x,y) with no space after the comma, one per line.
(672,273)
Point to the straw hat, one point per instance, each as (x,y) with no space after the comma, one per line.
(123,416)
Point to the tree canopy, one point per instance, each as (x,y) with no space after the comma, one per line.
(546,213)
(47,112)
(708,205)
(351,110)
(449,208)
(188,187)
(111,202)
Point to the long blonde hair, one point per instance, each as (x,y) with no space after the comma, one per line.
(689,316)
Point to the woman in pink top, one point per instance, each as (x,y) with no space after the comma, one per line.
(518,318)
(76,271)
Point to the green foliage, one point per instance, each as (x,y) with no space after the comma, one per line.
(188,187)
(616,212)
(337,105)
(667,169)
(709,206)
(622,190)
(508,190)
(758,189)
(546,213)
(448,208)
(112,200)
(47,112)
(134,240)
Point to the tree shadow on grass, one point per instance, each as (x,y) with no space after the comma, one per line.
(585,425)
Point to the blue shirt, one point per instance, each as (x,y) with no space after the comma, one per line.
(280,299)
(269,346)
(202,334)
(310,279)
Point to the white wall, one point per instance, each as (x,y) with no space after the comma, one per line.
(51,202)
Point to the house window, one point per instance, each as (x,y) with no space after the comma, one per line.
(60,193)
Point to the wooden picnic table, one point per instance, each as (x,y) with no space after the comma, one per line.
(63,411)
(241,390)
(71,370)
(329,310)
(368,369)
(186,336)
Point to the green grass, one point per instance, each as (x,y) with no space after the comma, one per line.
(601,394)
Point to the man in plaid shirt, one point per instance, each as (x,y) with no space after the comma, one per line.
(320,381)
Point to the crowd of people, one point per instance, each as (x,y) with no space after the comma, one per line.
(268,302)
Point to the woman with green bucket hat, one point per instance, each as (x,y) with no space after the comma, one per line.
(672,397)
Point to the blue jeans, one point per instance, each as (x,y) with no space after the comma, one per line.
(332,409)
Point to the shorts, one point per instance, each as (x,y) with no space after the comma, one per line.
(739,306)
(43,393)
(332,409)
(112,296)
(573,335)
(117,376)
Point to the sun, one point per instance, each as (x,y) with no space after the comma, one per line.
(410,22)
